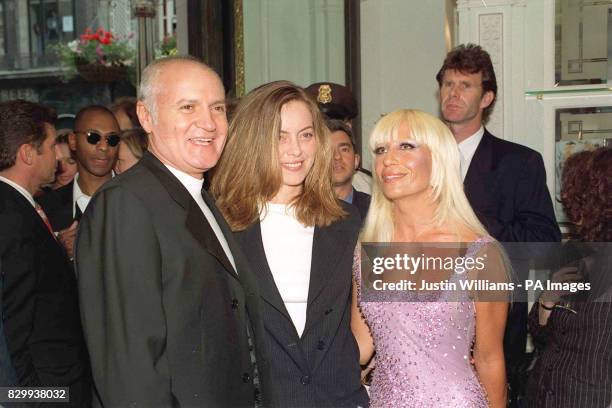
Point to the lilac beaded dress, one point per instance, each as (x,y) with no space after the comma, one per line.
(423,350)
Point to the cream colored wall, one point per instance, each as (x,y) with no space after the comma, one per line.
(402,48)
(297,40)
(520,36)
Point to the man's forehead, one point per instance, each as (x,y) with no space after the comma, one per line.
(179,74)
(190,93)
(474,76)
(96,119)
(341,136)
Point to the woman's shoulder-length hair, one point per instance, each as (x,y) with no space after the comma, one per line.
(451,203)
(587,192)
(249,175)
(136,140)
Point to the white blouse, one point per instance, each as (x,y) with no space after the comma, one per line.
(288,247)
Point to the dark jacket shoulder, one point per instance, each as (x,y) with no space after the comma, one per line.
(352,220)
(502,148)
(53,199)
(362,202)
(57,204)
(139,181)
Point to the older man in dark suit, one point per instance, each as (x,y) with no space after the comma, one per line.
(40,309)
(169,305)
(504,182)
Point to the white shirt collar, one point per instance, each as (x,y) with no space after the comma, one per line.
(467,148)
(78,196)
(20,189)
(76,189)
(192,184)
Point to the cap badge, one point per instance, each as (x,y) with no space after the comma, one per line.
(324,95)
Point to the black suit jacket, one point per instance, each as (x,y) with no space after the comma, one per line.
(165,314)
(506,186)
(57,204)
(7,372)
(320,369)
(39,303)
(362,202)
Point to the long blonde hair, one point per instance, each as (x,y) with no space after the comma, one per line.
(451,203)
(248,174)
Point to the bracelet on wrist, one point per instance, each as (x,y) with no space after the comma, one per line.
(543,306)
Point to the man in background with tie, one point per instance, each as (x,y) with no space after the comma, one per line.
(504,182)
(40,309)
(94,143)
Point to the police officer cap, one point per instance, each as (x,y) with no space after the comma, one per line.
(335,101)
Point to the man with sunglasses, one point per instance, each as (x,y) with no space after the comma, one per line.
(94,142)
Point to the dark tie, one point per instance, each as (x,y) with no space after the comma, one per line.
(77,212)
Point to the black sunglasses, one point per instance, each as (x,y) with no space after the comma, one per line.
(94,138)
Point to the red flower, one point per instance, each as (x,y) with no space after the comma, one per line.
(100,35)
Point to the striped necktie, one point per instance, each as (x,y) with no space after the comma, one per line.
(42,214)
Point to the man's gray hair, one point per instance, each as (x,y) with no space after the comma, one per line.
(150,87)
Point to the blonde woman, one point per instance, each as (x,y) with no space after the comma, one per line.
(134,142)
(273,184)
(424,351)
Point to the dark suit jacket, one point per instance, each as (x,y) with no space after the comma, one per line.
(39,302)
(506,186)
(7,372)
(320,369)
(165,315)
(362,202)
(57,204)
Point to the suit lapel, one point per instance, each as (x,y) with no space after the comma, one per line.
(253,247)
(195,221)
(328,243)
(22,202)
(200,228)
(65,210)
(58,206)
(482,163)
(284,334)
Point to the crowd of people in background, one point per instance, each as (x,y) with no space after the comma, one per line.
(154,253)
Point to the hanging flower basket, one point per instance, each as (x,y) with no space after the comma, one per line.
(101,73)
(98,57)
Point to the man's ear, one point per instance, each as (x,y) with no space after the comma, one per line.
(26,153)
(72,142)
(357,160)
(144,116)
(487,99)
